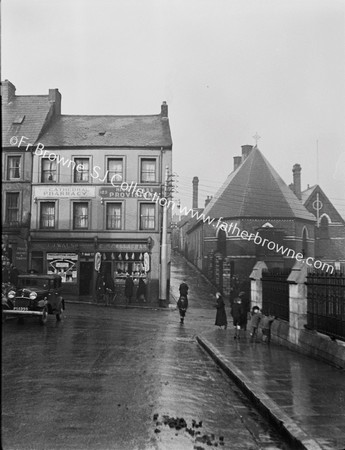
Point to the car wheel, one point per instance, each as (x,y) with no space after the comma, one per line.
(59,314)
(44,317)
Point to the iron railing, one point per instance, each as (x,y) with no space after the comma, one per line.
(275,293)
(326,304)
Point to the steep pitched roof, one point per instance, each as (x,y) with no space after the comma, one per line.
(114,131)
(309,196)
(256,190)
(25,116)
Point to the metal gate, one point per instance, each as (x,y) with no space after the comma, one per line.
(275,293)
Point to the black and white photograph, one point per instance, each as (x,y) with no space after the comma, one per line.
(173,224)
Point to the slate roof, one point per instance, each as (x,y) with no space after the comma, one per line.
(35,108)
(308,193)
(256,190)
(108,131)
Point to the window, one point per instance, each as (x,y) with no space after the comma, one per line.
(81,170)
(148,171)
(13,167)
(114,216)
(80,215)
(115,170)
(147,216)
(37,262)
(48,171)
(12,207)
(47,216)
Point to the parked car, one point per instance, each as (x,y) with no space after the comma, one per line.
(35,295)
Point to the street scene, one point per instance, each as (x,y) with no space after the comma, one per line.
(116,378)
(97,378)
(173,225)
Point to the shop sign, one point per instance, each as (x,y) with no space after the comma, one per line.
(61,246)
(64,191)
(123,247)
(117,192)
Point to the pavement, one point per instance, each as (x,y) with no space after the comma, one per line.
(303,396)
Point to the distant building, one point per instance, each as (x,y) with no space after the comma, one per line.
(330,227)
(255,201)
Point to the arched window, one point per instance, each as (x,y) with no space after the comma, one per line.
(221,242)
(324,230)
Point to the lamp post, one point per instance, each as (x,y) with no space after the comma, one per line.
(164,248)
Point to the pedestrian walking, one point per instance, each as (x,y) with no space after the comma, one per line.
(254,322)
(141,291)
(182,305)
(221,319)
(129,285)
(184,289)
(266,323)
(238,316)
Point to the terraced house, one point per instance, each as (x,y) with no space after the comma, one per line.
(78,211)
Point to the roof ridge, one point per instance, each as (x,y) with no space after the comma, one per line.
(108,115)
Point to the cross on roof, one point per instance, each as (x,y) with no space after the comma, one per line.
(256,137)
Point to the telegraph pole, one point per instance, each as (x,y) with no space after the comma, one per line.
(164,248)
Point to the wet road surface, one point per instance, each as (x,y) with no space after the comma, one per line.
(97,379)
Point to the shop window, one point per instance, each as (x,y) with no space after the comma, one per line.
(36,262)
(13,167)
(47,215)
(12,208)
(48,171)
(63,264)
(115,170)
(80,215)
(147,216)
(148,171)
(81,170)
(114,216)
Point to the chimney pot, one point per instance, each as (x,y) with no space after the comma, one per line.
(246,149)
(237,161)
(8,91)
(55,98)
(296,171)
(164,110)
(195,192)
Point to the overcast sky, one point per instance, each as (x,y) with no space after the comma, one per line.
(226,68)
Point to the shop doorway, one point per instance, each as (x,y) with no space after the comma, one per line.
(85,278)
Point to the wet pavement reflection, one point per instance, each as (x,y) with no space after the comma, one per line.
(108,378)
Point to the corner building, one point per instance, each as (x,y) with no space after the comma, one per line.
(79,210)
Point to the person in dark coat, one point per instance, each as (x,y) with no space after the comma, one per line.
(141,291)
(184,289)
(182,305)
(129,285)
(221,319)
(238,315)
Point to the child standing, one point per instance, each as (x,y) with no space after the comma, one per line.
(254,323)
(266,323)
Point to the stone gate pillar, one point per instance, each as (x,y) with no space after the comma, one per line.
(256,284)
(298,300)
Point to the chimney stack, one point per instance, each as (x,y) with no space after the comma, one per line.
(237,161)
(246,149)
(55,98)
(296,170)
(8,91)
(195,192)
(208,199)
(164,110)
